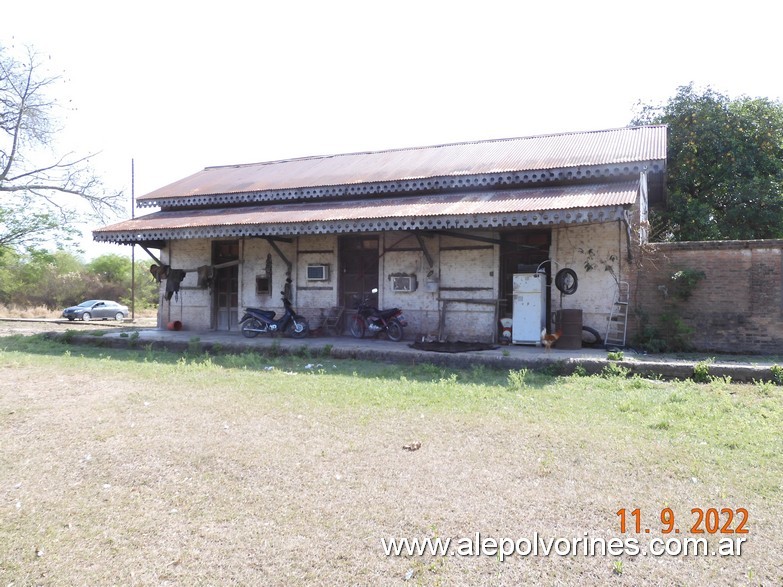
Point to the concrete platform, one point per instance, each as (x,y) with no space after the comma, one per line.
(556,361)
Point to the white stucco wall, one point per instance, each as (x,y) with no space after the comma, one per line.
(253,256)
(463,269)
(191,305)
(420,307)
(600,246)
(314,298)
(469,271)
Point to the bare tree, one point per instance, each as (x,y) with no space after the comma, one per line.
(39,191)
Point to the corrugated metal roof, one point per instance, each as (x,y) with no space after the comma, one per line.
(545,152)
(479,203)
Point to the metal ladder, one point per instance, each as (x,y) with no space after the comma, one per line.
(617,327)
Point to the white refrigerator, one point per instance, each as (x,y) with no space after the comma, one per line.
(529,312)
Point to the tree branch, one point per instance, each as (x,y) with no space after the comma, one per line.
(57,186)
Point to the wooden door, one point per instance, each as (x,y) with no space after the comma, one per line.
(358,268)
(521,251)
(226,284)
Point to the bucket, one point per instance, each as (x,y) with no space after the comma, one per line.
(569,322)
(175,325)
(505,330)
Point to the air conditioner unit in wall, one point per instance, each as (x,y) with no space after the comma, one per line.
(403,283)
(318,272)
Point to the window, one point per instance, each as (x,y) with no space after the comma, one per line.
(263,285)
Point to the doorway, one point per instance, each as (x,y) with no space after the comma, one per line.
(225,259)
(522,251)
(358,257)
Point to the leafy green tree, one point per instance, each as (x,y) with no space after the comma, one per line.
(147,289)
(21,225)
(40,191)
(41,278)
(38,277)
(111,268)
(725,166)
(114,274)
(9,263)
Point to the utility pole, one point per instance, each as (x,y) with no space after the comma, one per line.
(133,245)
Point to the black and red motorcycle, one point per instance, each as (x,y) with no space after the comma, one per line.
(368,318)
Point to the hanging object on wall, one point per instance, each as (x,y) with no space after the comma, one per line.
(566,281)
(431,284)
(205,274)
(159,272)
(173,281)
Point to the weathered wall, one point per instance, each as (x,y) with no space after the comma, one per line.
(403,255)
(253,257)
(192,305)
(736,308)
(598,255)
(468,271)
(460,269)
(313,299)
(465,271)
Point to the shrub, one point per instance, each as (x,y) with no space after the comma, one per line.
(580,371)
(701,371)
(613,370)
(516,379)
(777,374)
(685,281)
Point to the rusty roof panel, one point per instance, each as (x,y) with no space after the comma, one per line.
(478,203)
(546,152)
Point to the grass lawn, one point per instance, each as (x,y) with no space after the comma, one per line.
(136,467)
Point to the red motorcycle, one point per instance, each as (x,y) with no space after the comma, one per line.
(369,318)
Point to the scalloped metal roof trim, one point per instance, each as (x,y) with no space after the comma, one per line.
(434,184)
(610,148)
(487,221)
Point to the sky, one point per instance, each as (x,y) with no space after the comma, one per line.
(178,86)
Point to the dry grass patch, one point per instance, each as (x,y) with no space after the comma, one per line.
(146,469)
(42,312)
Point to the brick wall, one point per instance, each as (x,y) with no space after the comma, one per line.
(736,308)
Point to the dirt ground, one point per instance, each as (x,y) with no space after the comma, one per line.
(180,475)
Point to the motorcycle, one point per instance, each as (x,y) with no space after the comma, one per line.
(371,318)
(257,321)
